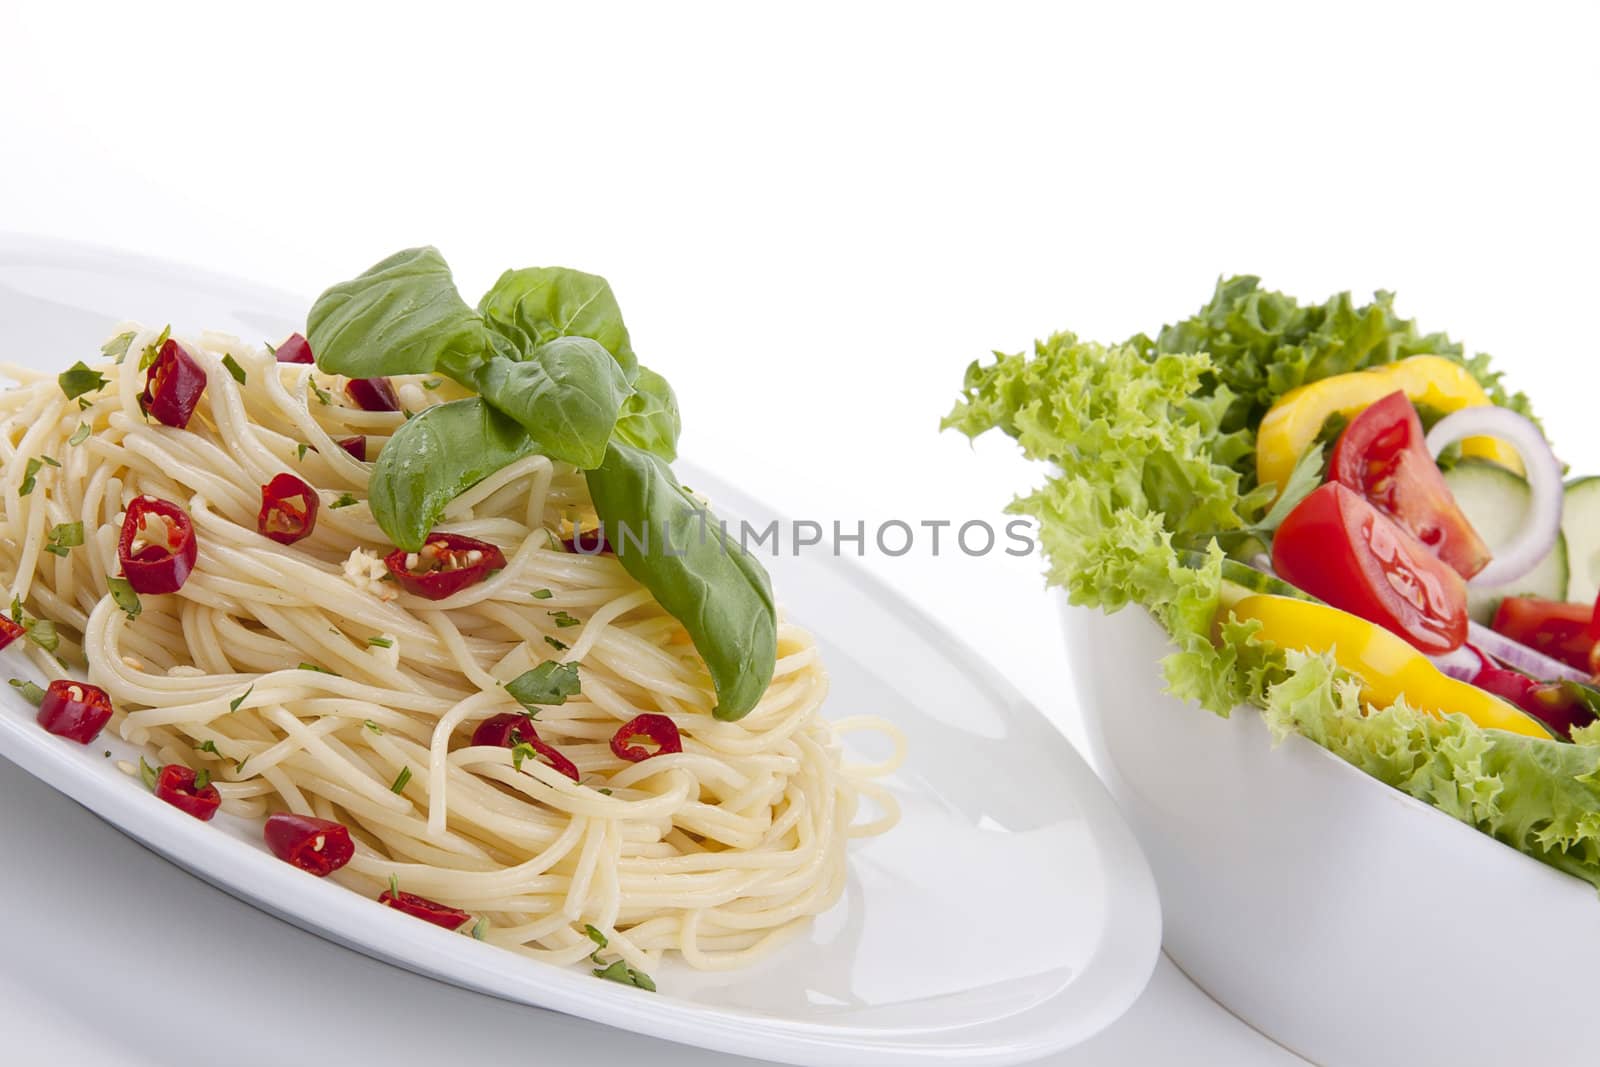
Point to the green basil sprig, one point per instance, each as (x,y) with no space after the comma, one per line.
(676,549)
(548,354)
(536,305)
(432,458)
(399,316)
(650,417)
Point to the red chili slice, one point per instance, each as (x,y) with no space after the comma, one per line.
(356,446)
(288,509)
(553,757)
(505,731)
(295,350)
(174,386)
(319,846)
(75,710)
(373,394)
(175,785)
(163,564)
(9,631)
(649,727)
(427,910)
(446,564)
(588,543)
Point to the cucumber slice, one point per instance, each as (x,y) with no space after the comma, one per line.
(1495,501)
(1580,524)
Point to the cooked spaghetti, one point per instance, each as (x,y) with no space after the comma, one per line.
(301,678)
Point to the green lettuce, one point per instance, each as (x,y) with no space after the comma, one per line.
(1151,446)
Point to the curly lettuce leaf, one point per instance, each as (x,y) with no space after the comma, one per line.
(1264,343)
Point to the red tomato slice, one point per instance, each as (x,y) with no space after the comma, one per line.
(1337,546)
(1383,456)
(1560,631)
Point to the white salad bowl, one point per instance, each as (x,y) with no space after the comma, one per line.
(1350,922)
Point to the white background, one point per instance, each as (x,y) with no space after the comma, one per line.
(815,217)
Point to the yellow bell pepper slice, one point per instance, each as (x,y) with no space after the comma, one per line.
(1432,381)
(1388,667)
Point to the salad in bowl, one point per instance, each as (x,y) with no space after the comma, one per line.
(1355,529)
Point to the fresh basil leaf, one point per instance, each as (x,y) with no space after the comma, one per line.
(566,392)
(650,418)
(536,305)
(548,683)
(397,317)
(435,457)
(677,550)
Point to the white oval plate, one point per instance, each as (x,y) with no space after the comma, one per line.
(1011,914)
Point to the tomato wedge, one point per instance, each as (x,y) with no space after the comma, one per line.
(1383,456)
(1560,631)
(1339,548)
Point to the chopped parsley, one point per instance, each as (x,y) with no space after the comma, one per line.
(400,780)
(233,705)
(80,435)
(233,368)
(604,791)
(148,773)
(381,642)
(29,472)
(479,927)
(319,670)
(542,594)
(345,500)
(117,347)
(64,537)
(374,727)
(559,646)
(41,632)
(300,450)
(30,692)
(322,394)
(563,620)
(548,683)
(521,751)
(202,778)
(208,745)
(152,351)
(79,379)
(432,383)
(122,592)
(621,972)
(596,936)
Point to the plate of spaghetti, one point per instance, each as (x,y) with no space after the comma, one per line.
(395,614)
